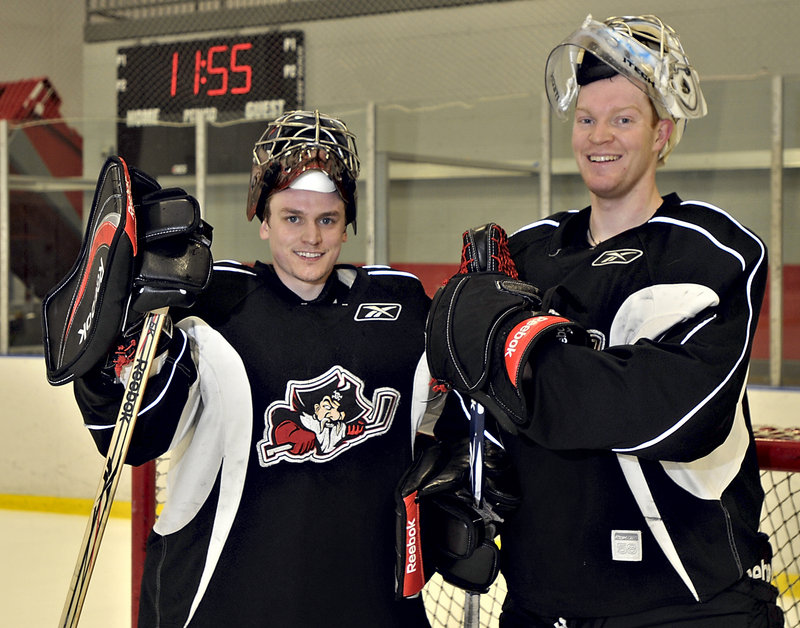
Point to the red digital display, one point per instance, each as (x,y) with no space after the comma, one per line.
(217,70)
(255,77)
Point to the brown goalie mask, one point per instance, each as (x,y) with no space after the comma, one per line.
(298,143)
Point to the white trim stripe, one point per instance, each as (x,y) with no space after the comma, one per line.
(704,232)
(227,269)
(397,273)
(164,390)
(538,223)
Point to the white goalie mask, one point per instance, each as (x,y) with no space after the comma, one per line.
(642,49)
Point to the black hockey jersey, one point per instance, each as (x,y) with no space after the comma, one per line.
(638,467)
(290,423)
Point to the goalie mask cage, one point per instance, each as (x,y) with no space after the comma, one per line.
(779,458)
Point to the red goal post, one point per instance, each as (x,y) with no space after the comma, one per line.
(778,451)
(778,456)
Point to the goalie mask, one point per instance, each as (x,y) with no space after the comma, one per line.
(306,150)
(642,49)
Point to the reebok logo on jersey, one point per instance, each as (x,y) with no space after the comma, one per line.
(620,256)
(378,312)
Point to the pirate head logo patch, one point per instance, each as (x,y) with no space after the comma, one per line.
(320,418)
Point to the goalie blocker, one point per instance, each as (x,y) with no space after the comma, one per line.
(482,331)
(145,248)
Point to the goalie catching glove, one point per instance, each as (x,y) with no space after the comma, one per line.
(484,327)
(145,248)
(439,528)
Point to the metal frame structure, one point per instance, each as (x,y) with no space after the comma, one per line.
(108,20)
(377,176)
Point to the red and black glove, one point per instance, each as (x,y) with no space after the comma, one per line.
(484,325)
(145,248)
(301,439)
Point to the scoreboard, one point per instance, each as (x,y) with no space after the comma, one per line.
(243,81)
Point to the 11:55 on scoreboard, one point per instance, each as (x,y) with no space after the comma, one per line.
(253,77)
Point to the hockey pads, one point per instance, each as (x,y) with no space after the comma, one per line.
(483,326)
(144,248)
(437,518)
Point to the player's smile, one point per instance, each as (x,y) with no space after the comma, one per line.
(599,159)
(309,255)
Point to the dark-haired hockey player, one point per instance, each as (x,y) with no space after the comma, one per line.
(286,399)
(632,442)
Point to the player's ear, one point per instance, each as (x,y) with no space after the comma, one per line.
(664,127)
(263,230)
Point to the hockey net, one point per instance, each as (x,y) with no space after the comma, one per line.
(779,458)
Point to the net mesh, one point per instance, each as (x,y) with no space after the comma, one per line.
(779,456)
(780,517)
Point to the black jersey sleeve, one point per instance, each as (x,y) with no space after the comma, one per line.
(99,398)
(667,388)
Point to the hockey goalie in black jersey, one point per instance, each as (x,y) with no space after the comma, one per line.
(289,395)
(634,449)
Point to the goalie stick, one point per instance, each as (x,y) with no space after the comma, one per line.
(484,249)
(118,449)
(472,602)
